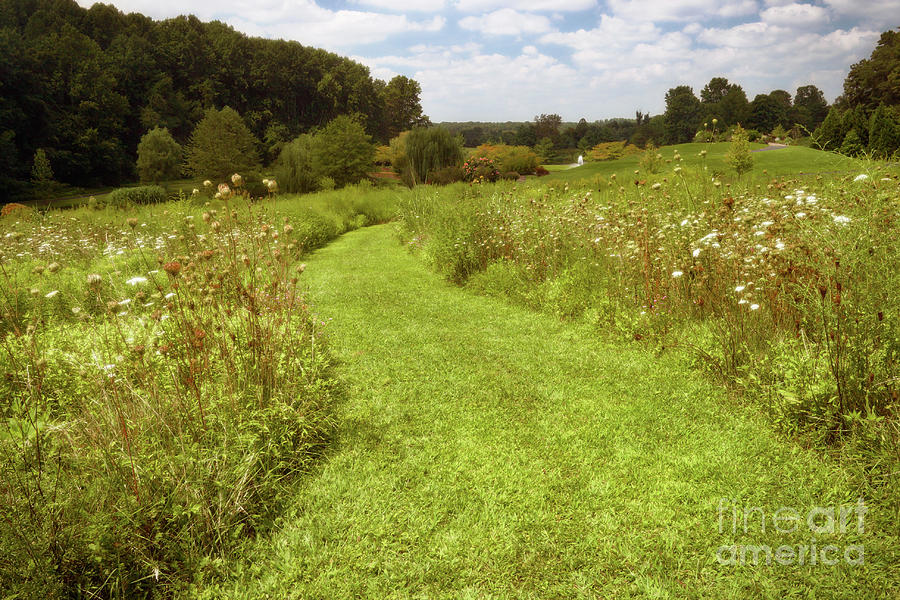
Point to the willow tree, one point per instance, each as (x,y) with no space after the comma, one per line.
(428,150)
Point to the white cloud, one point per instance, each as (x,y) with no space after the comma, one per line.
(680,10)
(480,6)
(885,12)
(795,15)
(341,29)
(405,5)
(506,22)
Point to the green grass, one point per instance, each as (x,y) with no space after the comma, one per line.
(487,451)
(786,161)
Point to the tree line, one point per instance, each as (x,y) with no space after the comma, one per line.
(80,87)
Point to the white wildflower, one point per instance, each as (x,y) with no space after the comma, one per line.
(861,177)
(677,274)
(136,280)
(754,307)
(51,294)
(696,253)
(841,219)
(740,288)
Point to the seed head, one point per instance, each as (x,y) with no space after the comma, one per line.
(94,279)
(54,267)
(172,268)
(237,180)
(132,222)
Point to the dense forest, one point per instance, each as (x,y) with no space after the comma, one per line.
(83,86)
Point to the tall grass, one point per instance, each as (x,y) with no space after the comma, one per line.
(163,382)
(786,288)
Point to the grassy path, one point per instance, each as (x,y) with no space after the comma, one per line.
(486,451)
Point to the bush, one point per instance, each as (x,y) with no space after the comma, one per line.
(651,161)
(447,175)
(511,176)
(738,156)
(612,150)
(521,159)
(425,150)
(159,156)
(481,169)
(220,145)
(343,151)
(123,197)
(294,167)
(541,171)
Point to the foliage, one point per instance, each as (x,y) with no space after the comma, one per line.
(126,197)
(221,144)
(884,131)
(739,157)
(852,144)
(612,151)
(158,411)
(682,114)
(343,151)
(520,159)
(547,126)
(426,150)
(809,107)
(544,149)
(41,171)
(651,160)
(294,169)
(876,80)
(159,156)
(402,108)
(767,112)
(779,133)
(446,175)
(86,84)
(830,134)
(481,170)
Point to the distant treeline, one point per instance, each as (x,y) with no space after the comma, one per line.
(865,119)
(84,85)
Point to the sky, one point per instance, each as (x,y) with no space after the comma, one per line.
(497,60)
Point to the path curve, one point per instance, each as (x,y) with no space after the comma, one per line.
(488,451)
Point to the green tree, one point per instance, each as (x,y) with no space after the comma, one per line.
(734,107)
(857,118)
(343,151)
(876,80)
(41,171)
(738,156)
(715,91)
(402,105)
(852,145)
(295,168)
(544,149)
(682,115)
(810,107)
(766,112)
(159,156)
(427,150)
(830,134)
(884,132)
(547,126)
(221,144)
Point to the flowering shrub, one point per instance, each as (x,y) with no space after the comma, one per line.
(480,169)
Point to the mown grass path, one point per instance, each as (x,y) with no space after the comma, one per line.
(485,451)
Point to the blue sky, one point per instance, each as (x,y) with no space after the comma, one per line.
(493,60)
